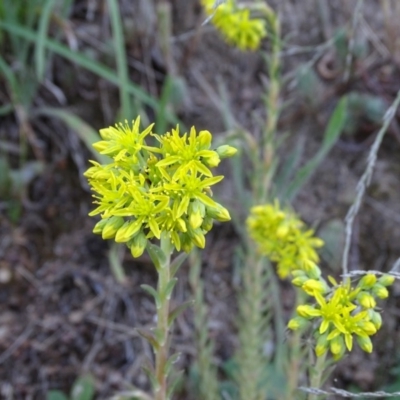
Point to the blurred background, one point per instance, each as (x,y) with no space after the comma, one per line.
(71,67)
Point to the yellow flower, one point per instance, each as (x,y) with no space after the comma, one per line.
(145,190)
(281,236)
(236,24)
(366,300)
(342,312)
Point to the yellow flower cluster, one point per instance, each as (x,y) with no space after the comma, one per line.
(236,24)
(145,191)
(340,311)
(280,235)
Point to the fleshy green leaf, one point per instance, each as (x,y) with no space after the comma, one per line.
(177,262)
(171,361)
(170,287)
(149,289)
(56,395)
(332,133)
(157,255)
(149,336)
(83,388)
(179,310)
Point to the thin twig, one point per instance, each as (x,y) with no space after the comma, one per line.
(345,393)
(351,274)
(349,56)
(17,344)
(365,181)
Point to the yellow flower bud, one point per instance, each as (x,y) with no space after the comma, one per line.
(107,133)
(317,242)
(196,211)
(98,228)
(138,245)
(366,300)
(368,327)
(322,345)
(195,220)
(313,271)
(367,281)
(101,146)
(306,311)
(226,151)
(299,281)
(312,285)
(376,318)
(337,345)
(386,280)
(207,224)
(198,238)
(299,273)
(204,138)
(111,227)
(127,231)
(212,161)
(186,243)
(282,231)
(365,343)
(297,323)
(220,213)
(380,291)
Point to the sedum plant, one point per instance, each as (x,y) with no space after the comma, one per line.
(236,23)
(280,235)
(157,197)
(336,314)
(340,311)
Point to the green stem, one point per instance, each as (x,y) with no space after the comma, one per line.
(114,257)
(161,352)
(252,328)
(295,361)
(280,327)
(269,158)
(208,381)
(316,375)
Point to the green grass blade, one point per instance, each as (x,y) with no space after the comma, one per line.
(332,133)
(85,132)
(8,74)
(40,49)
(85,62)
(122,64)
(287,170)
(6,109)
(161,122)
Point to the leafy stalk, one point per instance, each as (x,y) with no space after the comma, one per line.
(162,328)
(252,329)
(317,372)
(254,303)
(208,383)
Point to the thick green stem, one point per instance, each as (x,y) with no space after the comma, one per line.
(269,159)
(161,352)
(252,326)
(280,327)
(295,361)
(316,375)
(252,304)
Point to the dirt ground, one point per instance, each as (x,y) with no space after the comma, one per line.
(61,312)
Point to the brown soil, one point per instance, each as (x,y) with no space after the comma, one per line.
(61,312)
